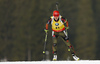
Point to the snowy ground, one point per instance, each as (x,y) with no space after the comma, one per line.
(55,62)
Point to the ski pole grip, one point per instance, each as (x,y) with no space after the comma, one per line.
(56,3)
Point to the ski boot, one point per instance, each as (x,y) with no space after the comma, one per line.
(75,58)
(55,58)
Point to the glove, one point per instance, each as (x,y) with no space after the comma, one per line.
(67,28)
(46,31)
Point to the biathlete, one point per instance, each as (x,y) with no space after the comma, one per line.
(59,29)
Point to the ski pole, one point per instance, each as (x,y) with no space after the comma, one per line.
(57,5)
(44,51)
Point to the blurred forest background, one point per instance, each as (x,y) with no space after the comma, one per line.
(22,24)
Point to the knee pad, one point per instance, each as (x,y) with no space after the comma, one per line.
(66,38)
(54,44)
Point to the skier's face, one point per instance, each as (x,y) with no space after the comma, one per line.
(56,18)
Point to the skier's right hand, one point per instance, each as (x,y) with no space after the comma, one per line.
(46,31)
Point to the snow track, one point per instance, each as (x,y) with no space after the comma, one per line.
(54,62)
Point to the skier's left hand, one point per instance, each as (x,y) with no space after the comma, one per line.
(67,28)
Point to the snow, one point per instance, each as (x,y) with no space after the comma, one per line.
(54,62)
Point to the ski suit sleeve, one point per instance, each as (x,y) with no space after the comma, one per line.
(65,21)
(49,21)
